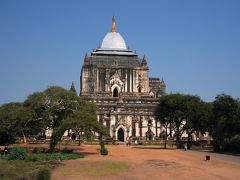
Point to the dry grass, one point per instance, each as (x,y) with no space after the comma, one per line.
(19,169)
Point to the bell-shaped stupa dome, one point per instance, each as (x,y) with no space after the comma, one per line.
(113,40)
(113,43)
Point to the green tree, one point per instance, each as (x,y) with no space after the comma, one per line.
(61,110)
(224,123)
(13,119)
(182,113)
(7,129)
(84,122)
(164,113)
(59,105)
(197,116)
(54,108)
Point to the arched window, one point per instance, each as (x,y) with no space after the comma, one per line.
(115,92)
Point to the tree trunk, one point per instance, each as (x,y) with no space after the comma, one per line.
(170,129)
(189,140)
(79,139)
(53,142)
(177,138)
(178,141)
(165,143)
(24,137)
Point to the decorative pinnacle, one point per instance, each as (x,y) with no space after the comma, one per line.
(86,55)
(163,81)
(86,59)
(73,89)
(113,25)
(144,61)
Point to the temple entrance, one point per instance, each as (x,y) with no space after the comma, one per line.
(120,134)
(115,92)
(149,137)
(73,136)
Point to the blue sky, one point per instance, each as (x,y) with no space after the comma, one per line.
(194,45)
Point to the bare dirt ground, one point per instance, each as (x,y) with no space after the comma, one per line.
(148,163)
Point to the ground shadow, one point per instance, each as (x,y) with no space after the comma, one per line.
(89,153)
(154,148)
(161,163)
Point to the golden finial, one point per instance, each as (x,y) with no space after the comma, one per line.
(113,25)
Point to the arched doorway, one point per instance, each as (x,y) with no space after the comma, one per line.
(73,136)
(120,134)
(149,137)
(115,92)
(139,89)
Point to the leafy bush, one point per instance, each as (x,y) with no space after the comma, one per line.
(103,149)
(44,174)
(38,150)
(67,150)
(55,150)
(17,153)
(53,156)
(6,137)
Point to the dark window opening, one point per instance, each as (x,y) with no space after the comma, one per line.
(115,92)
(150,138)
(73,136)
(139,90)
(120,134)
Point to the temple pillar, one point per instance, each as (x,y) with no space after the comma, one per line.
(134,125)
(140,126)
(130,80)
(156,126)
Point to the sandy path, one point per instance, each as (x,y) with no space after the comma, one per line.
(152,163)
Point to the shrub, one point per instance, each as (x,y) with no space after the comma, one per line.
(53,156)
(103,149)
(6,137)
(38,150)
(55,150)
(67,150)
(17,153)
(44,174)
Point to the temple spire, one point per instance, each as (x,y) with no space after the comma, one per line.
(86,59)
(144,61)
(73,89)
(113,25)
(86,56)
